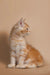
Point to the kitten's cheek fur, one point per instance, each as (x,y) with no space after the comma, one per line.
(27,33)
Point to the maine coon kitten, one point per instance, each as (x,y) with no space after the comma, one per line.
(24,54)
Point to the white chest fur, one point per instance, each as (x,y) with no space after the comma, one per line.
(17,45)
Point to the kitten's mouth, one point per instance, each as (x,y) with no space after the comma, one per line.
(28,33)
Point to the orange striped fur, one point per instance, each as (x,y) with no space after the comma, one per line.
(24,54)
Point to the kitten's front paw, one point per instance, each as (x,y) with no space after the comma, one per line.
(11,65)
(20,66)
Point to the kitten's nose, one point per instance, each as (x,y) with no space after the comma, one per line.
(29,30)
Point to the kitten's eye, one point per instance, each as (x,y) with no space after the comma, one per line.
(27,28)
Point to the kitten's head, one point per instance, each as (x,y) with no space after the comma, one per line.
(22,27)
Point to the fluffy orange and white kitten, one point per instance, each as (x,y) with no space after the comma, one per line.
(24,54)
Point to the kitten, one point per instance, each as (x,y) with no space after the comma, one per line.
(24,54)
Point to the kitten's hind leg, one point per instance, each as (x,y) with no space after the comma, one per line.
(31,66)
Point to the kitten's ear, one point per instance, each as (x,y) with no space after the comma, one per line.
(24,19)
(21,22)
